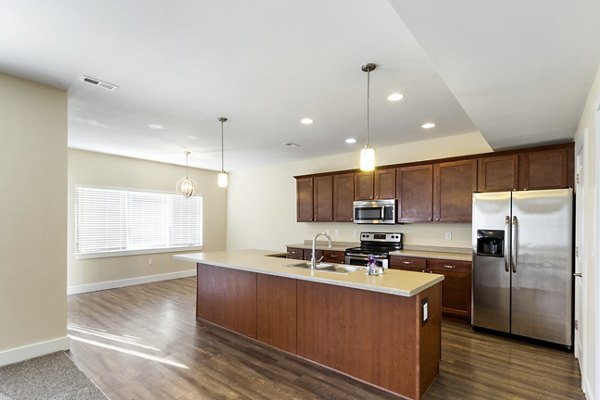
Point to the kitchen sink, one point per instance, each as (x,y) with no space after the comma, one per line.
(327,267)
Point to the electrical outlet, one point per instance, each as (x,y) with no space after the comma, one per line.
(151,261)
(448,235)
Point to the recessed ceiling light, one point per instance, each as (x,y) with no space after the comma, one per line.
(306,121)
(292,144)
(192,137)
(156,126)
(395,97)
(428,125)
(351,140)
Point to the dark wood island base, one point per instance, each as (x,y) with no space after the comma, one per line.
(390,341)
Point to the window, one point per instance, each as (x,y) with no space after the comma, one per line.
(117,221)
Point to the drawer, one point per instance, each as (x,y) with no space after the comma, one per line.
(308,254)
(409,263)
(295,253)
(441,266)
(334,256)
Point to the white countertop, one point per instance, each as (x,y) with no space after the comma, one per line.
(396,282)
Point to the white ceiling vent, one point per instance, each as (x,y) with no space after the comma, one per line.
(99,83)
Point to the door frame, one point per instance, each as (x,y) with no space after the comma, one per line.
(581,284)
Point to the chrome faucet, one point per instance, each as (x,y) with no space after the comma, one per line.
(313,259)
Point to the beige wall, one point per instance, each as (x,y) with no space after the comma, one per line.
(33,201)
(262,201)
(588,126)
(97,169)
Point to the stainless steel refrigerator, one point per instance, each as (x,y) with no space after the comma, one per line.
(523,263)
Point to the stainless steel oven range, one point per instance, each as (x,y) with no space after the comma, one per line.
(374,244)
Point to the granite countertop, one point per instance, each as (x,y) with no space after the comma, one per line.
(322,245)
(458,254)
(421,251)
(395,282)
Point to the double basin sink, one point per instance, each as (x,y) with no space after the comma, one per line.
(325,267)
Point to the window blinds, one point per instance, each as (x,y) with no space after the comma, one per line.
(116,220)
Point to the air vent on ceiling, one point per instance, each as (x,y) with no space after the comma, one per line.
(99,83)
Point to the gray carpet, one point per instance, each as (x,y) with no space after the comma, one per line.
(51,377)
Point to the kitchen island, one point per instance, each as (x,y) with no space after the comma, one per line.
(383,330)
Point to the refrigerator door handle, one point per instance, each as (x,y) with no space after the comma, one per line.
(506,248)
(513,244)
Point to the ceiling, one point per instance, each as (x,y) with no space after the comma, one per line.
(515,72)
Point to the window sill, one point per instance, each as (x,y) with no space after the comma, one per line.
(124,253)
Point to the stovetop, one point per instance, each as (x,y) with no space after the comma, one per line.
(378,243)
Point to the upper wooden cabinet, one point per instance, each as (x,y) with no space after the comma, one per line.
(546,169)
(453,186)
(415,193)
(438,190)
(498,173)
(343,196)
(385,183)
(323,198)
(363,186)
(379,184)
(304,199)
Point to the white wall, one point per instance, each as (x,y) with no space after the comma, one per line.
(262,201)
(589,122)
(33,215)
(88,168)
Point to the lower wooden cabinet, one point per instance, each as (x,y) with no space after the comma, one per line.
(333,256)
(456,287)
(295,253)
(379,338)
(227,297)
(276,311)
(408,263)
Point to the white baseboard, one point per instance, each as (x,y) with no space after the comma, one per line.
(587,389)
(93,287)
(23,353)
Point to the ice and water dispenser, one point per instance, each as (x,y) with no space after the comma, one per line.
(490,243)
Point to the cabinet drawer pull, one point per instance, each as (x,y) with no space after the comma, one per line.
(450,266)
(406,262)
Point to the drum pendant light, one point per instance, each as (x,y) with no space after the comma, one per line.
(222,180)
(186,187)
(367,154)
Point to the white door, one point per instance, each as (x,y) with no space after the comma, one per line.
(579,242)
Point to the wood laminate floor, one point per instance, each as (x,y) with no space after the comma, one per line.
(143,342)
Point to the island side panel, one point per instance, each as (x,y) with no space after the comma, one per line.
(276,312)
(227,297)
(371,336)
(430,337)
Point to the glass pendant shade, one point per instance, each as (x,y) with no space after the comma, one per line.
(222,180)
(186,187)
(367,159)
(367,154)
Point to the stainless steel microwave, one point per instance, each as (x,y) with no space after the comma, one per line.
(375,211)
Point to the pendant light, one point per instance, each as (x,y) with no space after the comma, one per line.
(222,178)
(367,154)
(186,187)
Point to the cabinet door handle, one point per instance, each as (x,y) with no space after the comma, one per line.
(450,266)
